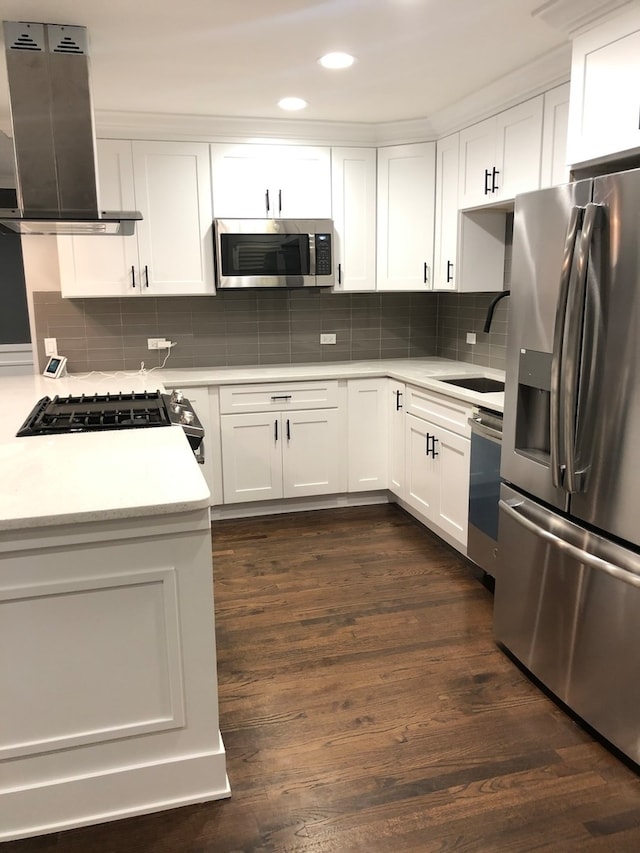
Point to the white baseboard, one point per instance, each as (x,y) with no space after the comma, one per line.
(62,804)
(257,508)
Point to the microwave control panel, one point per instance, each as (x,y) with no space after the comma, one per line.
(323,254)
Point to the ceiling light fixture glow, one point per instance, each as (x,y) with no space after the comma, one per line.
(292,104)
(336,60)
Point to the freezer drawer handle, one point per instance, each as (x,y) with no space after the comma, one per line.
(281,396)
(518,512)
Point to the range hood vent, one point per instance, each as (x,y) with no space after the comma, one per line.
(53,135)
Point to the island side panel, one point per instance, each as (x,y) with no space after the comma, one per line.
(108,665)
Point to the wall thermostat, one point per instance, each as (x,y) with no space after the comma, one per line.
(56,366)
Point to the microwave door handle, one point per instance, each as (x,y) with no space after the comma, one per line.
(581,356)
(312,254)
(555,439)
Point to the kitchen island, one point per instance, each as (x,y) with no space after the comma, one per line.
(109,701)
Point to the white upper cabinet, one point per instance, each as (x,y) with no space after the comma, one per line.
(469,245)
(277,181)
(501,156)
(446,213)
(406,195)
(605,90)
(353,180)
(171,252)
(554,169)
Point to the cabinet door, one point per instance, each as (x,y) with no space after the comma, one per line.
(289,181)
(353,176)
(406,197)
(313,453)
(437,477)
(605,82)
(396,391)
(302,183)
(368,434)
(452,506)
(477,159)
(518,149)
(421,473)
(107,266)
(554,169)
(251,457)
(241,177)
(446,213)
(173,191)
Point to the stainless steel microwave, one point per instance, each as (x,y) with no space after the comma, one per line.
(273,252)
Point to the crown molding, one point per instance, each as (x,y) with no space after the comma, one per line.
(544,73)
(573,16)
(191,128)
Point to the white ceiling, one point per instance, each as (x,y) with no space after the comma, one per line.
(239,57)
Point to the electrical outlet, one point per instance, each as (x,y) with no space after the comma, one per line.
(328,338)
(471,337)
(163,343)
(154,343)
(50,346)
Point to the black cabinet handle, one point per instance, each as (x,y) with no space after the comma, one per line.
(266,201)
(339,273)
(494,185)
(146,276)
(279,202)
(275,425)
(426,272)
(449,271)
(281,396)
(398,397)
(288,430)
(133,276)
(431,446)
(487,175)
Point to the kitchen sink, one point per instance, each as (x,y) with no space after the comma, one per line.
(481,384)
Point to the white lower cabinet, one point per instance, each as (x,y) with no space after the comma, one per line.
(437,455)
(368,429)
(280,451)
(396,396)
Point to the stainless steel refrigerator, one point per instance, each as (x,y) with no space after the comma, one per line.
(567,595)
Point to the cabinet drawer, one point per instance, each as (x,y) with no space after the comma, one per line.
(278,397)
(443,411)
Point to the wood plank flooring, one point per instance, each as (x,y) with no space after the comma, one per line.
(365,708)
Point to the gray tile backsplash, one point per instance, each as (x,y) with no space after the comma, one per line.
(237,328)
(272,327)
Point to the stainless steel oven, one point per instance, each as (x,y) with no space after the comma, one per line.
(484,488)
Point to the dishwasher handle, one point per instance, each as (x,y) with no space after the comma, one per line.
(484,429)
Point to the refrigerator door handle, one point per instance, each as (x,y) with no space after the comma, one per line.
(537,521)
(591,279)
(557,443)
(572,357)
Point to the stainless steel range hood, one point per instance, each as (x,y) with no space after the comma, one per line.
(53,135)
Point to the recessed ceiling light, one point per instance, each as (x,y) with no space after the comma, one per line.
(336,60)
(292,104)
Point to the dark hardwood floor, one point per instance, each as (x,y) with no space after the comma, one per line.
(365,707)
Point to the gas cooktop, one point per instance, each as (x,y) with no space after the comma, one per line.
(101,412)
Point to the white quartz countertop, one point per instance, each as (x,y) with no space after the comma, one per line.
(425,372)
(80,477)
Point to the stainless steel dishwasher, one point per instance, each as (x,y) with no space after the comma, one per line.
(484,488)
